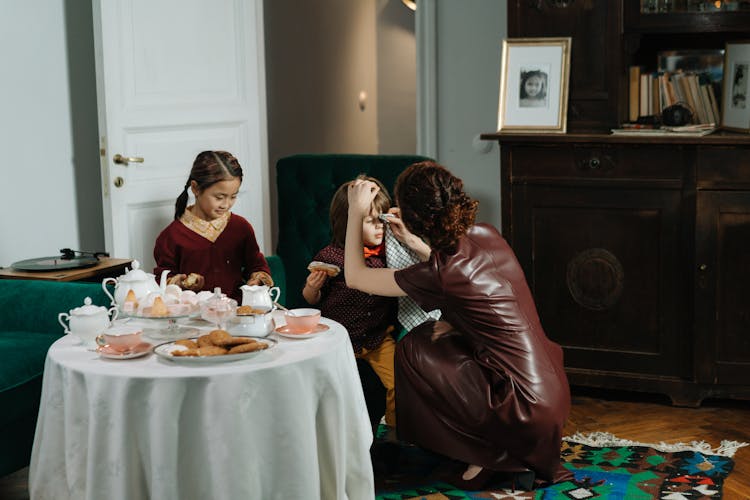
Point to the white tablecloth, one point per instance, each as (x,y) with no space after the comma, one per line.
(288,424)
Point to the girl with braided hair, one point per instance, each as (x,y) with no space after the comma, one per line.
(207,246)
(483,386)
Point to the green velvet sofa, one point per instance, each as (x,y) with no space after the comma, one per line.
(306,183)
(28,326)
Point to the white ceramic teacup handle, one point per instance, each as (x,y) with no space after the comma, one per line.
(100,340)
(104,287)
(278,294)
(113,311)
(60,320)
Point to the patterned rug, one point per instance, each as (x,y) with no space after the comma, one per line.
(604,467)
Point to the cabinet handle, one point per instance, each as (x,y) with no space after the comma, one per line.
(591,164)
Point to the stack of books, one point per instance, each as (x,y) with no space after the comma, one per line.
(697,130)
(651,92)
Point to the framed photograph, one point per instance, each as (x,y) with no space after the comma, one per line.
(735,108)
(534,85)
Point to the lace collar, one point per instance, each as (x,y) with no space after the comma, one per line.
(208,229)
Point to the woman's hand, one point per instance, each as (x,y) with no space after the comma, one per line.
(360,196)
(406,237)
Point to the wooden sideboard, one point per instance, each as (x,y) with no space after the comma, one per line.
(637,252)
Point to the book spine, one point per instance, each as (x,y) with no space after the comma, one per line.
(635,93)
(695,92)
(685,86)
(707,104)
(645,92)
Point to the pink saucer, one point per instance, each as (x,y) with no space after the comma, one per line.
(141,349)
(287,332)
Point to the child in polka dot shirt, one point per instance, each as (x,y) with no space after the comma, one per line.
(369,319)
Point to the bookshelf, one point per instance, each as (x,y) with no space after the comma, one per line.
(634,246)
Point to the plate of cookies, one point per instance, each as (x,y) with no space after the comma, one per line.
(217,346)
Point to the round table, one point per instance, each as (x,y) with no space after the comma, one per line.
(289,423)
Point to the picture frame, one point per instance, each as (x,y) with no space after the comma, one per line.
(534,80)
(735,105)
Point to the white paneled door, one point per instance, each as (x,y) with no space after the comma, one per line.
(176,77)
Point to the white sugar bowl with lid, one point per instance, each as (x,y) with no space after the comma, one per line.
(87,321)
(141,282)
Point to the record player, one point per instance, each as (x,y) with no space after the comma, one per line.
(68,259)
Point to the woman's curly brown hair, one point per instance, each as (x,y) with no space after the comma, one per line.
(434,205)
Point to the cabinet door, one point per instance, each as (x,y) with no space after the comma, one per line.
(722,292)
(604,267)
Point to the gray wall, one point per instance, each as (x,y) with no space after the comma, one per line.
(48,124)
(319,56)
(469,38)
(48,130)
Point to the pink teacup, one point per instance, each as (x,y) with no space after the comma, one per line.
(120,338)
(302,320)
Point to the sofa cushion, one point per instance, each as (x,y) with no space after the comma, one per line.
(306,184)
(22,355)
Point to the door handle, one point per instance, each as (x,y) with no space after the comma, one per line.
(124,160)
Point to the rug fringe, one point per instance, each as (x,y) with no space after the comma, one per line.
(599,439)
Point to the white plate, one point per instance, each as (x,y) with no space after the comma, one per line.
(164,350)
(285,331)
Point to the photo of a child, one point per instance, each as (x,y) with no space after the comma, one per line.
(533,88)
(739,86)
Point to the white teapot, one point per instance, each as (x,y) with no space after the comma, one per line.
(141,282)
(259,296)
(87,321)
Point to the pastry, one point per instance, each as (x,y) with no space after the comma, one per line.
(211,350)
(191,280)
(159,308)
(249,311)
(219,337)
(330,269)
(204,340)
(235,341)
(190,344)
(248,347)
(131,303)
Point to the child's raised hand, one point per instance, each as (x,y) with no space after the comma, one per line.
(316,279)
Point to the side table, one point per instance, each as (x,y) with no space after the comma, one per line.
(107,267)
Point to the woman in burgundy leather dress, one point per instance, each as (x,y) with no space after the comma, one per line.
(485,386)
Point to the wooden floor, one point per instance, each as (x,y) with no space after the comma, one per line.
(637,417)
